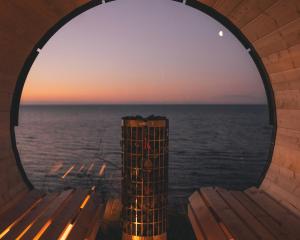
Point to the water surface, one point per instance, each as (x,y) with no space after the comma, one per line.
(222,145)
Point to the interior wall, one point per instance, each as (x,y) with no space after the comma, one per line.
(22,25)
(272,26)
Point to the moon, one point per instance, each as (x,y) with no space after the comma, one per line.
(221,33)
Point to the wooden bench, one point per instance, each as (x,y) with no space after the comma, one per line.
(217,214)
(72,214)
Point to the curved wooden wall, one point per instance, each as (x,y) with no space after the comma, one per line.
(272,26)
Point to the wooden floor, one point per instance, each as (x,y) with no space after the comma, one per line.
(218,214)
(72,214)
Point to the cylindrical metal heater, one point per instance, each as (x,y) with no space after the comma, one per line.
(145,177)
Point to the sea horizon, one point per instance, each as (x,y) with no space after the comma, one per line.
(143,104)
(214,144)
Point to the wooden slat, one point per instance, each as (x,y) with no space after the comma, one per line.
(95,224)
(66,216)
(281,39)
(29,219)
(57,204)
(17,212)
(246,216)
(226,7)
(85,218)
(271,224)
(19,197)
(241,16)
(285,198)
(284,60)
(237,228)
(195,224)
(286,218)
(204,218)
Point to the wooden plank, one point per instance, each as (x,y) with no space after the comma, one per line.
(226,7)
(195,224)
(98,218)
(287,80)
(288,99)
(276,16)
(66,216)
(85,218)
(281,39)
(28,220)
(17,212)
(286,157)
(206,221)
(286,218)
(288,119)
(288,138)
(271,224)
(283,60)
(232,221)
(242,16)
(58,203)
(16,200)
(289,200)
(248,218)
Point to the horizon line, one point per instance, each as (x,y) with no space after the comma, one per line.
(132,104)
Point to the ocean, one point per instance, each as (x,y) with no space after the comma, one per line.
(79,146)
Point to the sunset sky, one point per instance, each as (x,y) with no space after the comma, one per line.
(141,51)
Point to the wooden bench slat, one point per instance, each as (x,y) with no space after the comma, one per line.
(58,203)
(246,216)
(195,224)
(66,216)
(85,218)
(236,227)
(92,232)
(17,212)
(272,225)
(284,216)
(30,217)
(13,202)
(204,219)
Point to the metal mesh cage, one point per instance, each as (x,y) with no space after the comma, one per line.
(144,175)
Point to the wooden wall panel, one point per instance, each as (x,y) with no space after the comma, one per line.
(288,99)
(287,80)
(248,11)
(22,25)
(226,7)
(273,27)
(283,60)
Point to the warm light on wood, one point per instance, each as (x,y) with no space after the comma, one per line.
(81,168)
(5,232)
(67,172)
(66,232)
(43,229)
(90,168)
(24,231)
(226,231)
(102,169)
(18,219)
(85,201)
